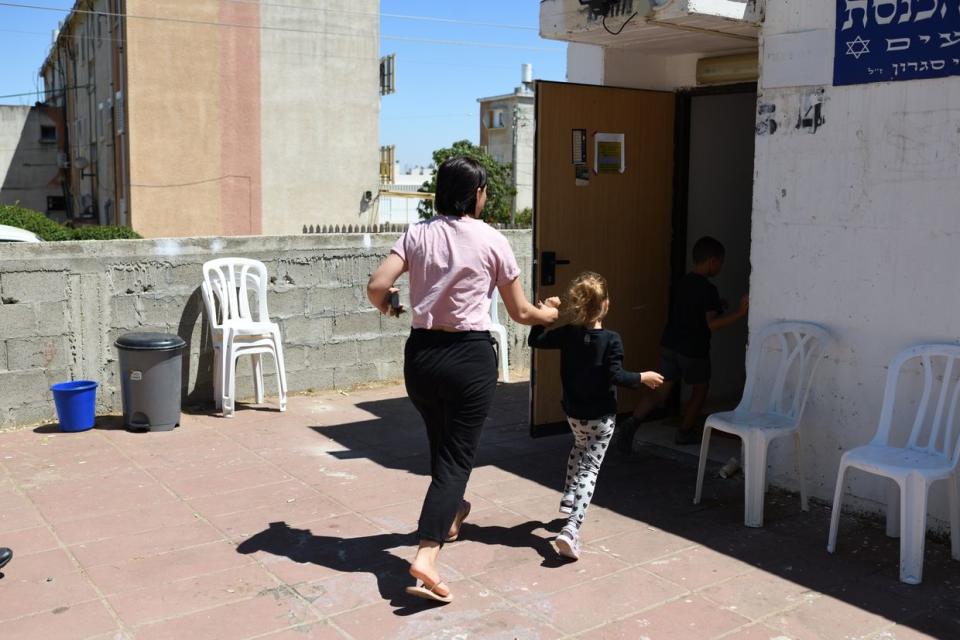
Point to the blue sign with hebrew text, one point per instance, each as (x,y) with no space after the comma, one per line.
(892,40)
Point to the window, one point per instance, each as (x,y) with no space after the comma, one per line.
(56,203)
(388,83)
(48,134)
(497,119)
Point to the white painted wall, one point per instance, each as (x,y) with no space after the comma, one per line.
(857,227)
(641,70)
(585,63)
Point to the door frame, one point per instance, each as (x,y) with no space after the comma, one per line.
(681,202)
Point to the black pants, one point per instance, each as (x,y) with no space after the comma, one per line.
(451,379)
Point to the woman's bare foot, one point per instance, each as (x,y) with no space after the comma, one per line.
(424,569)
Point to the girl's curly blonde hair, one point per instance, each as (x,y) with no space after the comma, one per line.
(586,296)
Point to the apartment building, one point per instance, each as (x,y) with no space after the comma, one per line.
(218,117)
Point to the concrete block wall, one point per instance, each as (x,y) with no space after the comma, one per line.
(64,304)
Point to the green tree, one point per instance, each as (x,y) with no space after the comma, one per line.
(500,189)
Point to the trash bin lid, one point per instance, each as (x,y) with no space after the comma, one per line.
(148,341)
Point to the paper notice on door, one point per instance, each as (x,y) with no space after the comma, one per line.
(610,153)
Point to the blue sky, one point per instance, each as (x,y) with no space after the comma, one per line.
(437,84)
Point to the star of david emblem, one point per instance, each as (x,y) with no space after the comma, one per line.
(858,47)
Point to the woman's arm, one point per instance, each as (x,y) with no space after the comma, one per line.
(519,308)
(380,285)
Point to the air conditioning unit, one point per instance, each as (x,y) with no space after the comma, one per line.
(63,160)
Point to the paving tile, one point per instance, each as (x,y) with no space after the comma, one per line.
(642,544)
(684,619)
(16,519)
(315,631)
(347,591)
(11,499)
(24,596)
(39,567)
(413,618)
(757,594)
(535,579)
(27,542)
(128,548)
(499,624)
(822,616)
(757,632)
(66,622)
(372,492)
(175,599)
(270,610)
(168,513)
(397,517)
(697,567)
(298,514)
(226,480)
(166,567)
(130,489)
(325,548)
(608,598)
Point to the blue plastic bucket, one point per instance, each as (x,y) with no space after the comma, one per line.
(76,404)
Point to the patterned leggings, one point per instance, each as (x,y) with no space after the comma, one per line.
(591,438)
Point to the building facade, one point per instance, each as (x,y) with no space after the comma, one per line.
(837,199)
(507,131)
(217,117)
(29,173)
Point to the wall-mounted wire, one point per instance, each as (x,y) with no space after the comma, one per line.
(603,21)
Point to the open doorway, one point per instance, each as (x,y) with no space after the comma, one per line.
(715,198)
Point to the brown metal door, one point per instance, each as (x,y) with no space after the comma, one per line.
(619,224)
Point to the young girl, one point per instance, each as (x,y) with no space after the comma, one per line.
(591,367)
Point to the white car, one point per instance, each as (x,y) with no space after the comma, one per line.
(14,234)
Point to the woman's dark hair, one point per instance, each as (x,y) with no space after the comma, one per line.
(458,179)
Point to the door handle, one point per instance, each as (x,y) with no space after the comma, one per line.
(548,268)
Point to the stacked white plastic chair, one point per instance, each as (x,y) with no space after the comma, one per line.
(500,332)
(930,453)
(237,331)
(760,418)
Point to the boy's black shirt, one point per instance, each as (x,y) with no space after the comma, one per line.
(687,331)
(591,368)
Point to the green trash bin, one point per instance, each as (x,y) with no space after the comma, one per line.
(150,380)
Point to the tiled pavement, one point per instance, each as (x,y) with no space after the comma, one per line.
(300,525)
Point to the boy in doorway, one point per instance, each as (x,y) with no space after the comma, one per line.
(695,313)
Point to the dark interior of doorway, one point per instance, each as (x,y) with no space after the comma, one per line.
(713,195)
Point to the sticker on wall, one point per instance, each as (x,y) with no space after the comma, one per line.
(609,153)
(811,117)
(894,40)
(766,124)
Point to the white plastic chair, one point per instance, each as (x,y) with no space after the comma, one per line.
(236,331)
(501,332)
(930,455)
(761,418)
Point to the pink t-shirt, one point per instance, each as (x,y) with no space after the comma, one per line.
(454,265)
